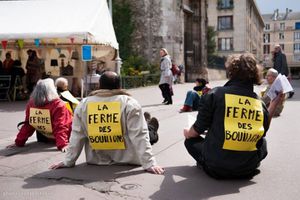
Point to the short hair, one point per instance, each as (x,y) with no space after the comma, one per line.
(8,54)
(273,72)
(243,67)
(110,80)
(165,50)
(202,81)
(44,92)
(61,83)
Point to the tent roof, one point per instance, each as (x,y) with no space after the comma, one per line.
(41,19)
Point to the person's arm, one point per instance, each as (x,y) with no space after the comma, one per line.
(274,103)
(61,119)
(26,131)
(138,134)
(77,141)
(190,133)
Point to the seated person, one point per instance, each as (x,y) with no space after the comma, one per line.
(234,121)
(65,95)
(111,126)
(191,102)
(153,126)
(46,114)
(270,77)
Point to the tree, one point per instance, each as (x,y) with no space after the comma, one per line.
(123,25)
(211,41)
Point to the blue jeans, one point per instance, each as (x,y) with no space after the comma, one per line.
(192,99)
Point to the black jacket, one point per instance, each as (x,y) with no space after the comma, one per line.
(236,120)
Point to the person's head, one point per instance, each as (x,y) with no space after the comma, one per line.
(29,52)
(8,56)
(61,84)
(277,48)
(110,80)
(44,92)
(17,63)
(271,75)
(243,67)
(200,82)
(163,52)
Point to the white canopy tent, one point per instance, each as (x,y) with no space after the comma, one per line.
(60,25)
(62,19)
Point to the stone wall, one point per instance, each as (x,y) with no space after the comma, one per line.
(161,24)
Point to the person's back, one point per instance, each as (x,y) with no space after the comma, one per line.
(111,126)
(234,121)
(71,102)
(47,115)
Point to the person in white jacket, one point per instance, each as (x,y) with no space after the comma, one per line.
(111,126)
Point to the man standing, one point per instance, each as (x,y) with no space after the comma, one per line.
(280,64)
(111,126)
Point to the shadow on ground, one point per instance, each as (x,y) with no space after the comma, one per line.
(30,147)
(189,182)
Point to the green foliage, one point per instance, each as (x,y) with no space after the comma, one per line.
(211,42)
(123,25)
(135,65)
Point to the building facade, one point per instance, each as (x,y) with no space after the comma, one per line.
(238,25)
(177,25)
(283,29)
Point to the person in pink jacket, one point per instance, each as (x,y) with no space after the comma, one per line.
(46,114)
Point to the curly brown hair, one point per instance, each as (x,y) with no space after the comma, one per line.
(243,67)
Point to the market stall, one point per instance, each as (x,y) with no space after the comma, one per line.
(57,31)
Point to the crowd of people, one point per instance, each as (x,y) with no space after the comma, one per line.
(226,140)
(35,70)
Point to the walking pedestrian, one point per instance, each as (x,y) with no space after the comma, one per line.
(166,78)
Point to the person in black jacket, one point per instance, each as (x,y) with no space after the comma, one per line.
(234,121)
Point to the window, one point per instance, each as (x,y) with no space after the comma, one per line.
(267,38)
(297,58)
(267,49)
(297,25)
(282,46)
(225,23)
(225,44)
(281,36)
(282,26)
(225,4)
(297,36)
(297,48)
(267,27)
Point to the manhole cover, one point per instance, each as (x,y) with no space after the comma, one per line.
(129,186)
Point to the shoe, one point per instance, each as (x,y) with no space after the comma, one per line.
(165,101)
(185,108)
(147,116)
(291,94)
(154,123)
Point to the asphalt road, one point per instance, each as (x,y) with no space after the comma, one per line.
(24,172)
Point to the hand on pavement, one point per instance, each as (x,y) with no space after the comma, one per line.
(11,146)
(156,169)
(57,166)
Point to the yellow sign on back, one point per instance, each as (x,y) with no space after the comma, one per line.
(243,122)
(104,125)
(40,119)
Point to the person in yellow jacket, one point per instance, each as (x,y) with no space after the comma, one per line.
(61,84)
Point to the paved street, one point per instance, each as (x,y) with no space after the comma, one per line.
(24,171)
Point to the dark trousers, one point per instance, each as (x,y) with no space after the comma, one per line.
(166,92)
(195,145)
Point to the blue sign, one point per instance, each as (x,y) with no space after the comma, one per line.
(86,52)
